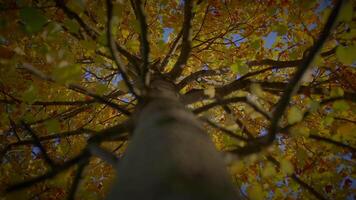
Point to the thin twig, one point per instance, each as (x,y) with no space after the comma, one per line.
(77,88)
(293,84)
(58,169)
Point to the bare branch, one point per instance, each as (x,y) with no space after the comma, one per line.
(77,88)
(196,75)
(58,169)
(186,41)
(224,130)
(293,84)
(93,33)
(299,181)
(103,154)
(71,14)
(76,181)
(145,47)
(331,141)
(171,51)
(37,142)
(113,49)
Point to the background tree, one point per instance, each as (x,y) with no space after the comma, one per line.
(273,82)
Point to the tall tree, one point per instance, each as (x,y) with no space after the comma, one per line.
(215,99)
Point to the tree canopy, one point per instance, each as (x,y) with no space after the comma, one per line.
(273,82)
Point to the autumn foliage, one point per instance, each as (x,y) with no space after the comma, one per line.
(272,81)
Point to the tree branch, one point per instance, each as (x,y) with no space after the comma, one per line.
(37,142)
(293,84)
(331,141)
(113,49)
(103,154)
(58,169)
(78,176)
(144,44)
(76,88)
(196,75)
(92,33)
(170,52)
(224,130)
(186,41)
(299,181)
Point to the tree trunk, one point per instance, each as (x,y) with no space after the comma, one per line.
(170,156)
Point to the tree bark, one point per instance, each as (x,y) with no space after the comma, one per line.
(170,156)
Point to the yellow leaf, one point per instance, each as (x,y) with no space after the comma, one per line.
(101,89)
(237,167)
(337,92)
(210,92)
(287,167)
(294,115)
(268,170)
(255,192)
(300,130)
(125,33)
(122,86)
(346,129)
(346,55)
(256,89)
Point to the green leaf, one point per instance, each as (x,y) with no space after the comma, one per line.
(340,105)
(255,44)
(328,120)
(280,29)
(71,25)
(346,55)
(346,12)
(240,68)
(33,19)
(30,95)
(314,106)
(294,115)
(53,126)
(337,92)
(67,74)
(268,171)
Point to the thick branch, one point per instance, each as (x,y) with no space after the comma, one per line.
(195,76)
(144,45)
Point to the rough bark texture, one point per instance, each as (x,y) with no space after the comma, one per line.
(170,156)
